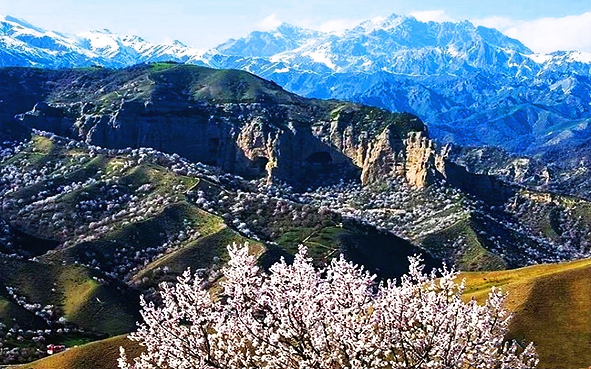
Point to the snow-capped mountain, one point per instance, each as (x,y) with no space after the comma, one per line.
(22,44)
(119,50)
(403,45)
(264,44)
(472,85)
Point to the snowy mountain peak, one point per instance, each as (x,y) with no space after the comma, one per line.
(291,31)
(132,39)
(177,43)
(287,28)
(103,31)
(380,23)
(11,26)
(394,44)
(22,44)
(19,22)
(283,38)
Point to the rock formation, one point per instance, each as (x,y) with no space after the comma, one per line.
(233,120)
(421,157)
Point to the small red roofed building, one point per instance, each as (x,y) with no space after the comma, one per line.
(54,349)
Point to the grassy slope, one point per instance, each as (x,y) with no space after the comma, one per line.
(10,311)
(199,254)
(97,355)
(475,254)
(105,308)
(525,286)
(552,306)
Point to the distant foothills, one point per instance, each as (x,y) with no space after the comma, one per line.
(471,85)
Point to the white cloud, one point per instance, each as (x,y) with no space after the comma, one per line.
(500,23)
(432,16)
(337,25)
(270,22)
(546,35)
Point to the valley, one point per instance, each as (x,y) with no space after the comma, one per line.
(124,162)
(109,223)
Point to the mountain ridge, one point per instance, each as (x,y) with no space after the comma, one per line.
(297,37)
(471,85)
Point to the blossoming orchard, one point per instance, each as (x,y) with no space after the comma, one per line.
(297,316)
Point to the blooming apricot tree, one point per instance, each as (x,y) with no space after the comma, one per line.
(296,316)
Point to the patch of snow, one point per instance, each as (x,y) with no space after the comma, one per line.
(320,56)
(540,58)
(580,56)
(451,50)
(281,57)
(100,40)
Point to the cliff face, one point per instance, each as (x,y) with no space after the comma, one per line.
(233,120)
(417,160)
(421,160)
(291,143)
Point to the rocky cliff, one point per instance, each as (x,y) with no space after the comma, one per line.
(426,165)
(230,119)
(421,164)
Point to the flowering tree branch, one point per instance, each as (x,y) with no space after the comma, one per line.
(299,317)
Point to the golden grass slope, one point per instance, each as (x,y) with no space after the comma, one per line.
(552,307)
(96,355)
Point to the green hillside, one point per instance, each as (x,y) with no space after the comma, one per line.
(80,294)
(551,303)
(552,307)
(87,230)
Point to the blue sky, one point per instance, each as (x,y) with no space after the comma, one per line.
(542,25)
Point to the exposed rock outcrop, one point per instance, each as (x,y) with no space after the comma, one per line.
(421,164)
(236,121)
(421,159)
(385,157)
(230,119)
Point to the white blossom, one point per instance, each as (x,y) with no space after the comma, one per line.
(297,316)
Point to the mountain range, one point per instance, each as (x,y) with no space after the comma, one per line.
(472,85)
(121,164)
(118,179)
